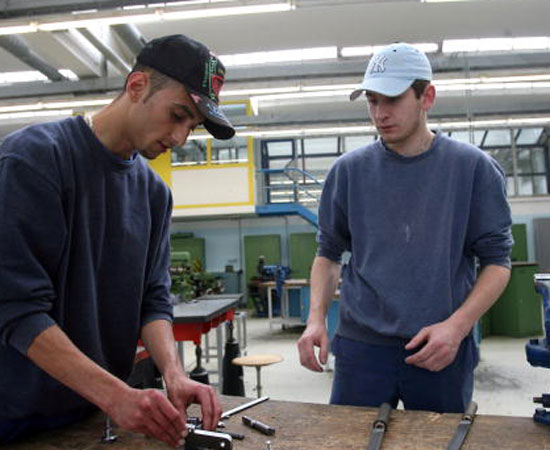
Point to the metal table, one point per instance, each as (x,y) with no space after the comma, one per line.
(197,317)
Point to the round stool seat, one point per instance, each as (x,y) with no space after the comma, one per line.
(257,360)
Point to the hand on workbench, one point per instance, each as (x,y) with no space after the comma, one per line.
(441,342)
(183,391)
(315,335)
(149,412)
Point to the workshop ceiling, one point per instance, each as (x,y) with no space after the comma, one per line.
(83,50)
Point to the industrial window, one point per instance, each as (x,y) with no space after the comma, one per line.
(522,153)
(192,153)
(320,146)
(234,150)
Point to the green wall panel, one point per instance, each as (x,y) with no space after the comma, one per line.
(195,247)
(268,245)
(518,311)
(303,248)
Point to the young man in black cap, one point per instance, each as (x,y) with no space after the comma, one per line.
(84,239)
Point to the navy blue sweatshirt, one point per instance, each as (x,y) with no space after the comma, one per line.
(414,226)
(84,245)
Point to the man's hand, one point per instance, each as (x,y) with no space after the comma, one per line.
(315,335)
(148,412)
(183,391)
(441,343)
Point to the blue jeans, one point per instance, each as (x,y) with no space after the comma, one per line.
(369,375)
(13,429)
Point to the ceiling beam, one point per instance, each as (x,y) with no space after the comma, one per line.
(241,77)
(19,48)
(108,52)
(131,36)
(77,45)
(10,9)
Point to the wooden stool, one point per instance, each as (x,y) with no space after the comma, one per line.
(257,361)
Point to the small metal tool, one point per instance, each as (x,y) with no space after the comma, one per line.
(260,426)
(199,439)
(108,436)
(196,423)
(463,427)
(242,407)
(379,427)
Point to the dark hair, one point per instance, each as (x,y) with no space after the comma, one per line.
(419,86)
(158,80)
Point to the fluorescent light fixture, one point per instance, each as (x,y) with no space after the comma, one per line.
(229,11)
(160,14)
(511,122)
(305,131)
(36,114)
(298,95)
(92,22)
(67,73)
(493,86)
(296,55)
(496,44)
(444,1)
(259,91)
(58,105)
(19,29)
(330,87)
(31,75)
(426,47)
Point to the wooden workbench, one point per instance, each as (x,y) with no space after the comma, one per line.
(306,426)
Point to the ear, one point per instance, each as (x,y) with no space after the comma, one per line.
(137,85)
(428,97)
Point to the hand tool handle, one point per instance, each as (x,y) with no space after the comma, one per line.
(260,426)
(470,411)
(197,439)
(242,407)
(383,414)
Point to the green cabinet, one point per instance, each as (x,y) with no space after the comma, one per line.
(518,311)
(519,250)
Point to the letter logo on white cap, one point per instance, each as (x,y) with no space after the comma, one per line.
(379,64)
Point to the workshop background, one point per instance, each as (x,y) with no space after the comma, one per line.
(245,210)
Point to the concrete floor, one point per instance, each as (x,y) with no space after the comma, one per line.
(504,382)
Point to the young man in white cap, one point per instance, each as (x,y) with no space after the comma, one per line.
(84,239)
(415,209)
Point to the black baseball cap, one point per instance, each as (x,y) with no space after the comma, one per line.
(198,69)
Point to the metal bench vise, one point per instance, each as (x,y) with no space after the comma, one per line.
(538,350)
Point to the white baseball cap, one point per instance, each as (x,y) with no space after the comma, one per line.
(392,70)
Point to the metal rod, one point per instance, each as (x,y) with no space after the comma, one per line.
(242,407)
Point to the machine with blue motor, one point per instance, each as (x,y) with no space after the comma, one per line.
(276,273)
(538,350)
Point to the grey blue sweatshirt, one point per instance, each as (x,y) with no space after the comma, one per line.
(414,226)
(84,245)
